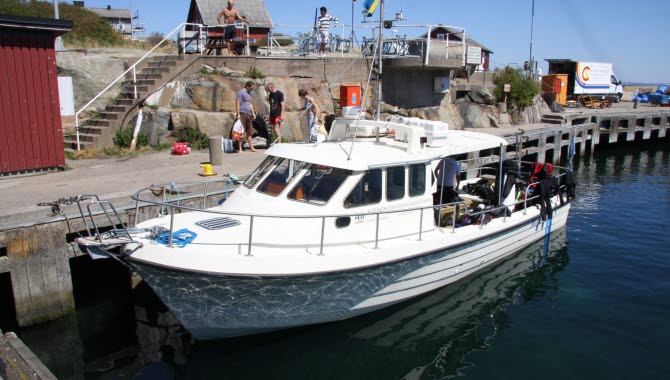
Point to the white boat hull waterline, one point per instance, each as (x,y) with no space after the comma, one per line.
(215,305)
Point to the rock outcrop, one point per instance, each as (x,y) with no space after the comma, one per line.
(206,101)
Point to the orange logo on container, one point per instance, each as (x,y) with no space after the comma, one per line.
(586,73)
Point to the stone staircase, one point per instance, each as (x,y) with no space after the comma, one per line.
(552,119)
(98,131)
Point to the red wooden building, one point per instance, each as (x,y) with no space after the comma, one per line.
(31,134)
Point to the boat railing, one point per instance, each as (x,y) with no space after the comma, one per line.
(173,196)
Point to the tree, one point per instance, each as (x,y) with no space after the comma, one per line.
(523,89)
(155,38)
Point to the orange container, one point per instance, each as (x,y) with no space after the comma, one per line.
(350,95)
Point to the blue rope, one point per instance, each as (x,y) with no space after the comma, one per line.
(179,238)
(231,180)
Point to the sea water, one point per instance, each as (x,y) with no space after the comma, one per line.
(591,303)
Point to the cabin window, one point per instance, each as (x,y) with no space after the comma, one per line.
(395,183)
(319,184)
(280,177)
(367,191)
(417,180)
(260,171)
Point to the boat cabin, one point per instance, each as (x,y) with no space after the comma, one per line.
(387,174)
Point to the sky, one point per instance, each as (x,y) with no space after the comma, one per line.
(631,35)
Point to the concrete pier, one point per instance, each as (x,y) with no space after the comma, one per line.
(35,248)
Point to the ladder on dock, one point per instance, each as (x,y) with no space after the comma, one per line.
(115,236)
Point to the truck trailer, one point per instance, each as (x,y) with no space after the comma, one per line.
(595,79)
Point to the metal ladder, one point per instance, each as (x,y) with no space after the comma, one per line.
(95,200)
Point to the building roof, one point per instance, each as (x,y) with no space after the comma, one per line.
(111,13)
(253,10)
(468,40)
(58,27)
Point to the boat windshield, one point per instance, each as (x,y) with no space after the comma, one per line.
(319,184)
(260,171)
(281,176)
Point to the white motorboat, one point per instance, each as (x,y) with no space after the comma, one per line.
(329,230)
(318,234)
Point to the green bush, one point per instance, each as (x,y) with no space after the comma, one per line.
(196,139)
(88,29)
(254,73)
(523,88)
(124,136)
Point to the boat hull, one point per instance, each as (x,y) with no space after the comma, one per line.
(212,306)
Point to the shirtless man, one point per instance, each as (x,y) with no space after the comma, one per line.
(230,15)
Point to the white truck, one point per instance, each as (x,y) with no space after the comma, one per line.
(588,78)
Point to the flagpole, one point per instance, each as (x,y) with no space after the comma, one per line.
(381,55)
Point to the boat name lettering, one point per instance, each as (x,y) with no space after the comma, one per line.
(412,204)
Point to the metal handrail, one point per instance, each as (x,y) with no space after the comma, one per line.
(133,68)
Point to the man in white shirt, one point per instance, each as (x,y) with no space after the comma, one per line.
(323,28)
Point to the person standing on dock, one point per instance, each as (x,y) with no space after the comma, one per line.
(230,15)
(276,99)
(312,110)
(245,113)
(323,28)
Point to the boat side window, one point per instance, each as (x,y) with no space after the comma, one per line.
(260,171)
(319,184)
(395,183)
(280,177)
(417,180)
(367,191)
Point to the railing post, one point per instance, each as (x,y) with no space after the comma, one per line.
(420,224)
(323,232)
(204,196)
(525,202)
(425,61)
(76,128)
(134,82)
(248,49)
(251,231)
(453,218)
(183,39)
(171,226)
(137,213)
(377,233)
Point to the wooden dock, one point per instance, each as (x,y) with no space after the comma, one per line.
(17,362)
